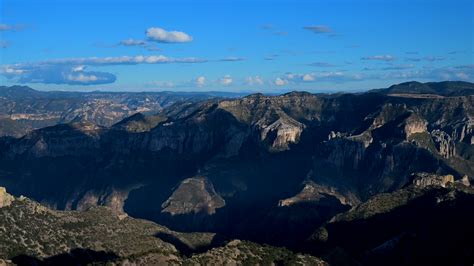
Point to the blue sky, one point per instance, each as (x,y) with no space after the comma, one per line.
(268,46)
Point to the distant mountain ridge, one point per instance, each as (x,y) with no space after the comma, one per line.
(445,88)
(23,109)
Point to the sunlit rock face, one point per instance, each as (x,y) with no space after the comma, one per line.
(281,133)
(314,193)
(425,180)
(5,198)
(193,195)
(444,143)
(415,124)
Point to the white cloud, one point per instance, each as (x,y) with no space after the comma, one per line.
(433,74)
(132,42)
(226,80)
(462,75)
(280,82)
(257,80)
(118,60)
(232,58)
(6,71)
(200,81)
(335,76)
(82,78)
(69,70)
(379,57)
(161,35)
(308,77)
(78,68)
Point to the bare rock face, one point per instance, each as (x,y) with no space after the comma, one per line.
(465,181)
(414,124)
(112,198)
(281,133)
(346,151)
(464,132)
(444,143)
(194,195)
(270,118)
(5,198)
(313,192)
(425,180)
(388,112)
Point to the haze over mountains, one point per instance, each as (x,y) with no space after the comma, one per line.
(24,109)
(349,178)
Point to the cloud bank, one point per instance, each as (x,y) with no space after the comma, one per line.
(164,36)
(57,74)
(71,71)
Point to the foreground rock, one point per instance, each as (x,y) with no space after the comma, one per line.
(32,234)
(412,226)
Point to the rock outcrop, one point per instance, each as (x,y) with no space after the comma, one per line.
(444,143)
(465,181)
(423,180)
(193,195)
(5,198)
(281,133)
(414,124)
(313,193)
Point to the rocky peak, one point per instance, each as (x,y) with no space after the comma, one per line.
(5,198)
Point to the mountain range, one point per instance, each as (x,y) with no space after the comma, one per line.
(379,177)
